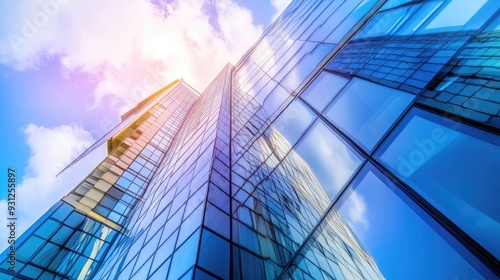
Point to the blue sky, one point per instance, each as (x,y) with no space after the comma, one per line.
(69,68)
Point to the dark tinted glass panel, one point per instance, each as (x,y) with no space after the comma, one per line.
(219,263)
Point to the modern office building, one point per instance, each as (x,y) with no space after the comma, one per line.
(357,139)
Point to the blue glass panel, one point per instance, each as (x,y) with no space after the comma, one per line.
(454,13)
(31,271)
(164,251)
(200,275)
(59,262)
(78,268)
(217,220)
(245,237)
(403,241)
(218,198)
(419,16)
(28,248)
(46,230)
(62,212)
(305,66)
(394,3)
(346,25)
(162,271)
(453,166)
(62,235)
(45,255)
(365,110)
(184,257)
(187,276)
(191,223)
(211,243)
(252,267)
(330,159)
(323,89)
(274,100)
(74,220)
(143,271)
(336,18)
(384,23)
(293,121)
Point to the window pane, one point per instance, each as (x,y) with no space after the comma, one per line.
(323,89)
(330,159)
(184,257)
(386,22)
(211,243)
(28,248)
(293,121)
(305,66)
(384,221)
(216,220)
(454,14)
(455,167)
(365,110)
(46,230)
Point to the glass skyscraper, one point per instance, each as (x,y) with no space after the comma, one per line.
(357,139)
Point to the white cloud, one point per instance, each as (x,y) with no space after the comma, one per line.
(356,211)
(280,6)
(51,150)
(134,47)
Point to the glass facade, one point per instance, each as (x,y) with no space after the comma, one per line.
(357,139)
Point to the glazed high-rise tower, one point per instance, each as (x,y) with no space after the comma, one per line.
(355,140)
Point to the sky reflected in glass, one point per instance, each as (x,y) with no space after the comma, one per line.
(366,110)
(332,161)
(323,89)
(404,242)
(449,168)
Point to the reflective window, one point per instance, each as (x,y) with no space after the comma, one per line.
(394,3)
(346,25)
(323,89)
(429,16)
(365,110)
(403,241)
(211,243)
(453,166)
(274,100)
(28,248)
(331,160)
(293,121)
(62,235)
(420,16)
(216,220)
(305,66)
(454,13)
(386,22)
(31,271)
(46,230)
(495,25)
(62,212)
(184,257)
